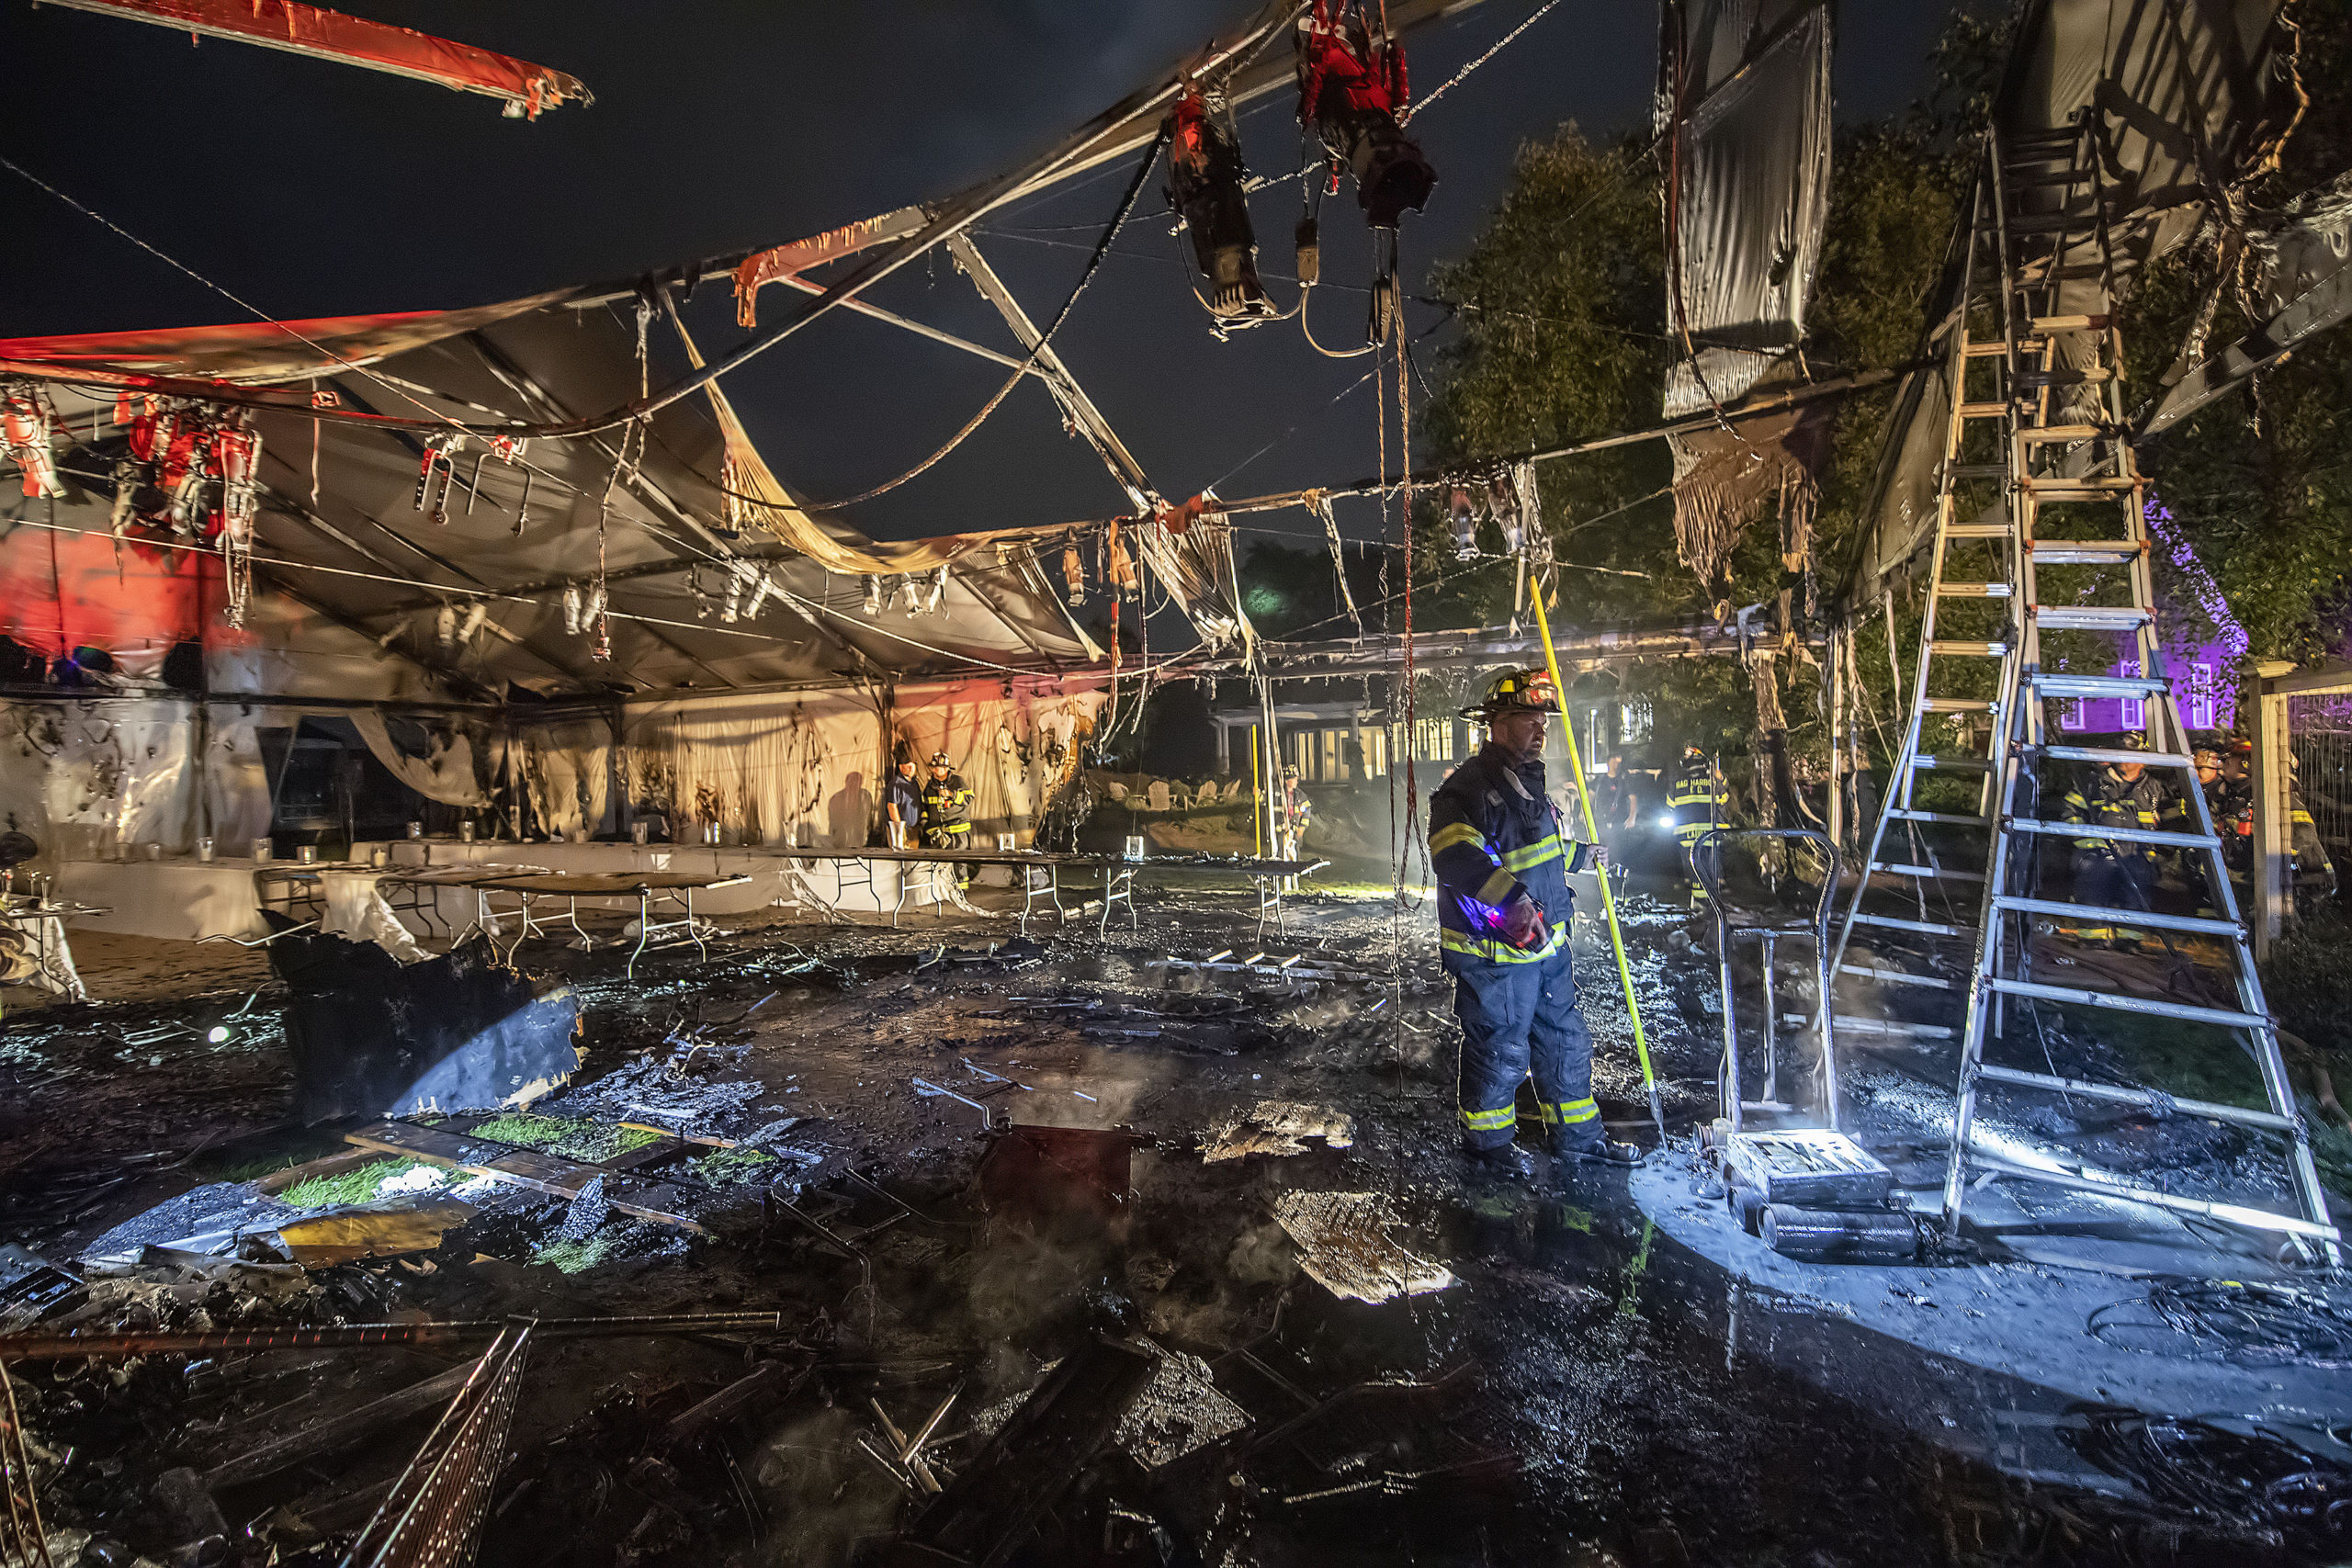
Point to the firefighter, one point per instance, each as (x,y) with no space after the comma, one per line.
(2119,873)
(2314,872)
(1694,803)
(1294,814)
(902,804)
(1502,863)
(947,812)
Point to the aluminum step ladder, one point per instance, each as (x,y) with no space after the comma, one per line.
(2039,477)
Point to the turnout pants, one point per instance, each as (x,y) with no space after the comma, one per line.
(1518,1018)
(2114,881)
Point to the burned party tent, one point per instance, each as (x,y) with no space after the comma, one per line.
(569,1000)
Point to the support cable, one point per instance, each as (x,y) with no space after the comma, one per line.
(1094,264)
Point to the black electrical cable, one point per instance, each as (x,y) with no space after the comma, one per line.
(2247,1322)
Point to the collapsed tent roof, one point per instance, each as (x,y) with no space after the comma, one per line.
(345,551)
(2187,101)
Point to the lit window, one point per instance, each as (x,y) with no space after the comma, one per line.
(2201,696)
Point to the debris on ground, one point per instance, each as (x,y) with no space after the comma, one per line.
(1276,1127)
(1344,1246)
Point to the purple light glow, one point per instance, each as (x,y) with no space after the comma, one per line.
(2235,641)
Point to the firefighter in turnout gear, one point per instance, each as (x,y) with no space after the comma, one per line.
(2119,873)
(1502,863)
(1695,802)
(947,812)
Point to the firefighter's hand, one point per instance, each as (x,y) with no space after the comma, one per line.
(1521,920)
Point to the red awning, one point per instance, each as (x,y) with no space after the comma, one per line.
(330,35)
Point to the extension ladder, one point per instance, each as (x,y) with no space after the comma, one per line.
(2038,439)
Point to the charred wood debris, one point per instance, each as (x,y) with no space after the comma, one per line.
(365,1357)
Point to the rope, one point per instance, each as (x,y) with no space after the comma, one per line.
(1094,264)
(1444,87)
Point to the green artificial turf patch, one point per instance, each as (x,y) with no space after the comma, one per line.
(357,1185)
(726,1168)
(591,1142)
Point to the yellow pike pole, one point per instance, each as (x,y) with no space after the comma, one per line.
(1607,899)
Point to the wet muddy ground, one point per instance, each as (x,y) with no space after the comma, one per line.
(1583,1393)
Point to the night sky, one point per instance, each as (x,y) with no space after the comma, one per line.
(311,188)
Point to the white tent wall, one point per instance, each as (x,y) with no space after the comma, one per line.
(806,768)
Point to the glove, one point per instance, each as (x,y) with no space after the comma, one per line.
(1521,921)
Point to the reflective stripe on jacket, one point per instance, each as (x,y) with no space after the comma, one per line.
(1696,799)
(2110,800)
(947,805)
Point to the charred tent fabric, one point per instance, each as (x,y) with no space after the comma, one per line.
(2186,103)
(1743,119)
(368,559)
(685,637)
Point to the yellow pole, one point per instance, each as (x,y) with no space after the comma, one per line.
(1607,899)
(1257,817)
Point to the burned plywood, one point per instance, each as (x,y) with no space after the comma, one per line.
(373,1037)
(1344,1246)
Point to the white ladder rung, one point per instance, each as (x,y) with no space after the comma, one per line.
(1899,977)
(2111,754)
(1947,818)
(2089,617)
(1896,868)
(2128,835)
(1969,649)
(2098,915)
(1953,764)
(1973,589)
(1957,704)
(1983,411)
(1978,531)
(2051,685)
(2147,1099)
(1888,1028)
(2228,1018)
(1894,923)
(2228,1214)
(2085,552)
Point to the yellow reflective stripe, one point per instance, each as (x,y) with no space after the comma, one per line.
(1496,951)
(1533,855)
(2303,817)
(1496,888)
(1455,833)
(1494,1121)
(956,827)
(1568,1112)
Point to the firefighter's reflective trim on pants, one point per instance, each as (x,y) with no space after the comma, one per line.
(951,828)
(1496,951)
(1569,1112)
(1533,855)
(1456,833)
(1498,1120)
